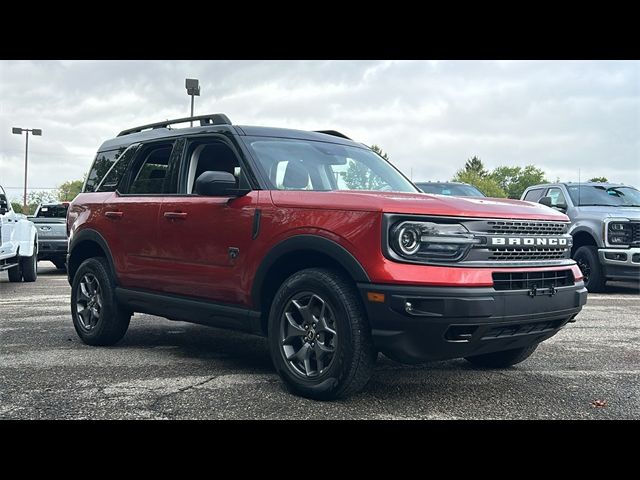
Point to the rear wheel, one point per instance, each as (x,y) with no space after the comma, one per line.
(97,318)
(503,359)
(59,263)
(319,337)
(587,259)
(15,273)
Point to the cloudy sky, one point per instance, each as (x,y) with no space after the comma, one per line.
(430,116)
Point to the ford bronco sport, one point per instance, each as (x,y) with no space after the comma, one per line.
(317,243)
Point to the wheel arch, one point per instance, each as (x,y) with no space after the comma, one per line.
(294,254)
(86,244)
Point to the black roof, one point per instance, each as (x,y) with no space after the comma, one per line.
(159,131)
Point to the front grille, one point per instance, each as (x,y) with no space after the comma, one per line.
(504,227)
(527,254)
(528,280)
(635,238)
(524,328)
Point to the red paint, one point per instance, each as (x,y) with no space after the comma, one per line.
(180,244)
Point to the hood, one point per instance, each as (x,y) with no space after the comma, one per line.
(416,204)
(604,211)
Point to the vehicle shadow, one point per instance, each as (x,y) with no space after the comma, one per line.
(632,288)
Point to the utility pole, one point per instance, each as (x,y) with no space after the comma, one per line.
(18,131)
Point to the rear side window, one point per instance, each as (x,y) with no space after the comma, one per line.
(151,174)
(53,211)
(101,166)
(534,195)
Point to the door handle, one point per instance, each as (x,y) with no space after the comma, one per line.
(175,215)
(113,214)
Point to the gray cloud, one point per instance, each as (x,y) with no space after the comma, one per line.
(429,116)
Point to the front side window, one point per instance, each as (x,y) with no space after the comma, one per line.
(291,164)
(557,197)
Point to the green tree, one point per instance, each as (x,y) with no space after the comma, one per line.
(360,177)
(475,165)
(599,179)
(485,184)
(17,206)
(514,180)
(69,190)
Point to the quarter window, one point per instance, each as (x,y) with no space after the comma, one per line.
(557,197)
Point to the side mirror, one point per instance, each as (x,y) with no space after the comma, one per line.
(545,201)
(218,184)
(4,207)
(561,206)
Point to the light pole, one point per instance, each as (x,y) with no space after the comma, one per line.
(193,88)
(18,131)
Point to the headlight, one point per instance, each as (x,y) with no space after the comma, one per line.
(430,241)
(620,233)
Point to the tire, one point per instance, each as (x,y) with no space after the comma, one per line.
(15,273)
(339,364)
(29,267)
(503,359)
(60,264)
(587,259)
(97,317)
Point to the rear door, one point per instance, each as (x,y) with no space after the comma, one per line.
(206,240)
(131,213)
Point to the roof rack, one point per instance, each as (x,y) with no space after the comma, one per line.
(333,132)
(211,119)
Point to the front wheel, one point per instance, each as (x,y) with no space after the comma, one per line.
(319,338)
(587,259)
(97,317)
(29,266)
(503,359)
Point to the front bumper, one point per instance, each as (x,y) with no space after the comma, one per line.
(52,249)
(620,263)
(454,322)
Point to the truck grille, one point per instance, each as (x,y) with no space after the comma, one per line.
(531,241)
(527,254)
(635,238)
(507,227)
(528,280)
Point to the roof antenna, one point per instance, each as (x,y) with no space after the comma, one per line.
(579,188)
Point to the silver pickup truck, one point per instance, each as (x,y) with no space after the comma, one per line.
(50,220)
(605,226)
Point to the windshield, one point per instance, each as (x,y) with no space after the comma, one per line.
(450,189)
(617,196)
(291,164)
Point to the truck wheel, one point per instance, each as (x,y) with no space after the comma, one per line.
(15,273)
(503,359)
(60,264)
(29,266)
(587,259)
(319,337)
(97,318)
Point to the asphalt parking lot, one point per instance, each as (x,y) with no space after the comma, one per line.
(174,370)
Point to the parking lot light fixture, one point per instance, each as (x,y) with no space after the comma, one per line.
(193,88)
(18,131)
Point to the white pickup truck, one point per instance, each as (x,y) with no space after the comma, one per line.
(18,243)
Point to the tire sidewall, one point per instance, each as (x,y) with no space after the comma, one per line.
(330,380)
(107,312)
(590,256)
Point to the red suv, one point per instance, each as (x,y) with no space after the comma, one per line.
(319,244)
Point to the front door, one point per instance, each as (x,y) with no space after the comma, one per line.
(206,240)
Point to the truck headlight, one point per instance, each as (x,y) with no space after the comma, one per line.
(620,233)
(430,241)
